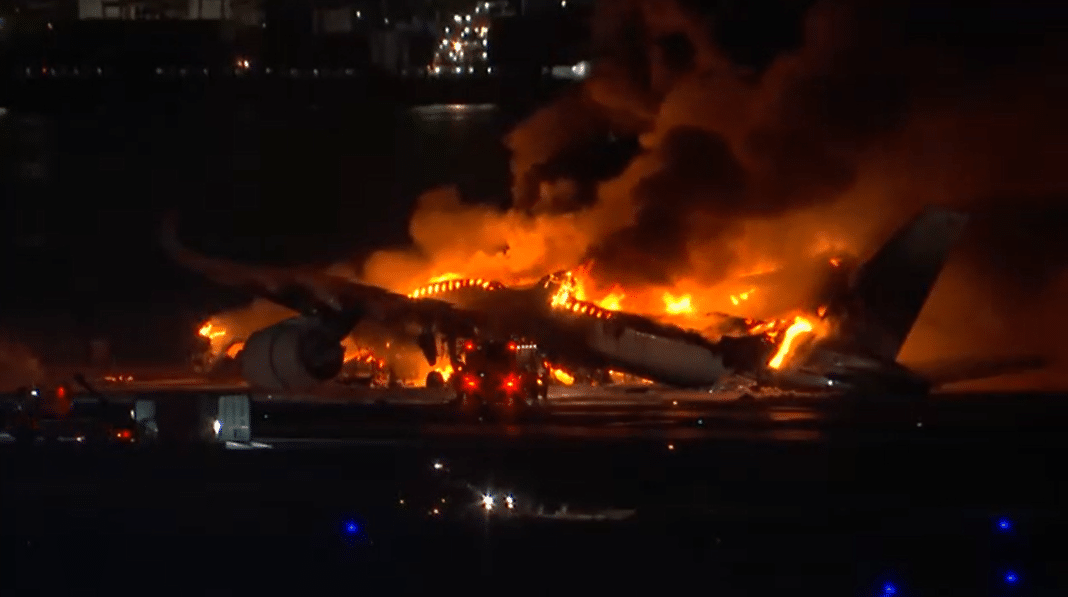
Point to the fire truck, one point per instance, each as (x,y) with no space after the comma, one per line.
(55,414)
(501,378)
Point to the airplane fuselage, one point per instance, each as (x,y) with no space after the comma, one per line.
(580,334)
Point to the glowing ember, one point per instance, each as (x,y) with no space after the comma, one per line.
(737,299)
(821,311)
(836,261)
(800,326)
(234,349)
(563,377)
(677,305)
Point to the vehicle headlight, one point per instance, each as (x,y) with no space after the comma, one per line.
(217,425)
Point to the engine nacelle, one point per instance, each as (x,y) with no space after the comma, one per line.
(296,354)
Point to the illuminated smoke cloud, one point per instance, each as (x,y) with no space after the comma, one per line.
(18,366)
(770,132)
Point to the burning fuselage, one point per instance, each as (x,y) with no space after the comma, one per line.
(849,343)
(581,334)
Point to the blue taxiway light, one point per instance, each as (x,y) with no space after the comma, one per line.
(1005,524)
(1011,578)
(352,528)
(889,589)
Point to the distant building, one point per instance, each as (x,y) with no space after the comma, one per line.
(545,37)
(403,48)
(158,9)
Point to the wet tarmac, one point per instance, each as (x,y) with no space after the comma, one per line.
(661,493)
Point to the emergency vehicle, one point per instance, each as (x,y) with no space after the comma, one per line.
(499,377)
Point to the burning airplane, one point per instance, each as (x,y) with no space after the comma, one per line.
(850,343)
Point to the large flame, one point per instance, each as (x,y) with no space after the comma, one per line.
(445,370)
(678,305)
(614,300)
(800,326)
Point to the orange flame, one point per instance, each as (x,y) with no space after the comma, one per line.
(234,349)
(446,371)
(563,377)
(677,305)
(614,299)
(447,283)
(209,331)
(800,326)
(737,299)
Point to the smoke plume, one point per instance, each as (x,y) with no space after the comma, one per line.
(769,132)
(18,366)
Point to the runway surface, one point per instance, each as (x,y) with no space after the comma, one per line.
(620,493)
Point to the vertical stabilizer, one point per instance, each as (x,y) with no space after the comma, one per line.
(888,291)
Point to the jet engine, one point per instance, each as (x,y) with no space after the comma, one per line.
(295,354)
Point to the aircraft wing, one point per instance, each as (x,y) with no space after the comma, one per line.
(319,294)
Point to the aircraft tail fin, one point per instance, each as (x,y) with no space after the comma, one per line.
(887,292)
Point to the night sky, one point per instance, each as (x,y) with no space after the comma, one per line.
(270,184)
(85,186)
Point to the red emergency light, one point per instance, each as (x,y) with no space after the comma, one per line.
(470,382)
(511,384)
(469,346)
(123,434)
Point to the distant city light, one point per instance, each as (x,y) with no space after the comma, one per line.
(463,49)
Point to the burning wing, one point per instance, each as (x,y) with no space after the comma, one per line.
(330,307)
